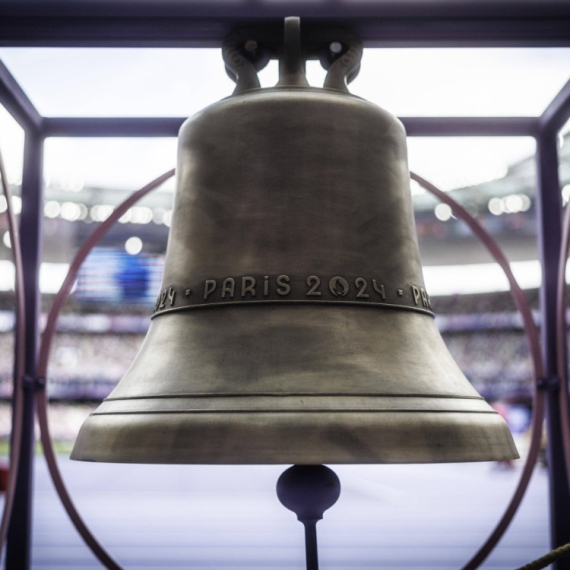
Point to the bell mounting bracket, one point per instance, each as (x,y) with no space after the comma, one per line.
(248,50)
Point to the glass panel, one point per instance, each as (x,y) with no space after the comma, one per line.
(180,82)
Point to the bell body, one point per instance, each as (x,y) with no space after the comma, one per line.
(293,324)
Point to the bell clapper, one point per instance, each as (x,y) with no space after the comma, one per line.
(308,491)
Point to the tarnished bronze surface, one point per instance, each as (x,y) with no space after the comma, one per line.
(293,325)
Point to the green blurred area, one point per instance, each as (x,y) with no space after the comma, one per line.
(61,447)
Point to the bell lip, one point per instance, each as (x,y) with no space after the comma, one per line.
(305,438)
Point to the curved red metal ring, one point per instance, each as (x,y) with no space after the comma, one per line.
(536,355)
(480,233)
(45,347)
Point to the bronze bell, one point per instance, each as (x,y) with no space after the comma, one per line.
(293,325)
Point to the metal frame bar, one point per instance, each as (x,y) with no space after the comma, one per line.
(168,127)
(17,102)
(198,24)
(18,552)
(549,219)
(557,113)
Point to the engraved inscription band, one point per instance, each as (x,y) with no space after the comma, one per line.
(314,289)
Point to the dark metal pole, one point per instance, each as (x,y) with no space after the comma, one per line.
(18,550)
(311,547)
(549,218)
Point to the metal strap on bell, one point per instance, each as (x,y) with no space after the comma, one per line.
(293,324)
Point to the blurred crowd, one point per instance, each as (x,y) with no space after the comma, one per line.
(482,332)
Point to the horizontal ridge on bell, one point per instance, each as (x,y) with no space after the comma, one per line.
(293,324)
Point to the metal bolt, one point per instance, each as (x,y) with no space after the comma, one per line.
(336,47)
(250,46)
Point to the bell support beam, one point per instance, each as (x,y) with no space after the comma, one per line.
(470,126)
(549,219)
(112,127)
(200,23)
(169,127)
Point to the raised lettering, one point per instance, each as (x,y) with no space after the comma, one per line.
(249,288)
(416,293)
(425,299)
(229,287)
(266,286)
(313,282)
(283,287)
(360,282)
(209,288)
(171,295)
(162,300)
(379,289)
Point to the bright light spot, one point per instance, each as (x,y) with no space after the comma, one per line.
(495,206)
(6,240)
(100,212)
(70,211)
(83,211)
(126,217)
(167,218)
(137,215)
(141,215)
(565,194)
(513,204)
(443,212)
(52,209)
(52,276)
(526,203)
(133,245)
(17,204)
(479,277)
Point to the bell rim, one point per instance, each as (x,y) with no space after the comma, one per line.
(300,438)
